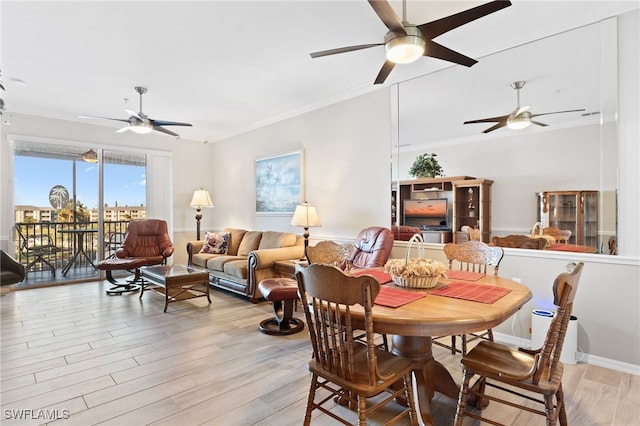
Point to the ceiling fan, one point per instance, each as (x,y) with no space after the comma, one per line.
(520,118)
(140,123)
(405,42)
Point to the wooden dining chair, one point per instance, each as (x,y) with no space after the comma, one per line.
(332,253)
(325,252)
(351,372)
(520,241)
(560,235)
(472,256)
(517,370)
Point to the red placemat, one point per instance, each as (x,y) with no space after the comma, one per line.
(378,274)
(395,297)
(464,275)
(566,247)
(471,291)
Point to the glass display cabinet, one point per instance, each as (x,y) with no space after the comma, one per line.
(472,206)
(576,211)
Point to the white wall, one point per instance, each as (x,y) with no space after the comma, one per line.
(346,167)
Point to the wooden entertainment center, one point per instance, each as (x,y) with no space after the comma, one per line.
(468,204)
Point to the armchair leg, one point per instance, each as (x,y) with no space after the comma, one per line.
(123,287)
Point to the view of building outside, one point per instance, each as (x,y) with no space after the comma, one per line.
(56,189)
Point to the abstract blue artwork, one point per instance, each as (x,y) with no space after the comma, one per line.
(279,183)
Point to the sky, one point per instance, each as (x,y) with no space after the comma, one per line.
(34,178)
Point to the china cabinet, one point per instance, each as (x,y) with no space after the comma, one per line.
(472,206)
(576,211)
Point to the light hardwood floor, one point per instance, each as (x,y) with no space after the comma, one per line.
(118,360)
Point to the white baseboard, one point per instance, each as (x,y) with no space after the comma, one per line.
(611,364)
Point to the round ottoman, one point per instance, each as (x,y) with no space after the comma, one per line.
(283,292)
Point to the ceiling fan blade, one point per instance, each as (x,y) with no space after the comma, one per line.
(488,120)
(163,130)
(521,110)
(384,72)
(539,123)
(133,114)
(104,118)
(168,123)
(435,28)
(124,129)
(388,17)
(495,127)
(436,50)
(344,49)
(557,112)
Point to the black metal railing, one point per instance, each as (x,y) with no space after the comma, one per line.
(44,240)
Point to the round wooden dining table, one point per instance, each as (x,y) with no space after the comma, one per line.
(413,325)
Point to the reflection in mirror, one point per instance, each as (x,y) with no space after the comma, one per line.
(569,151)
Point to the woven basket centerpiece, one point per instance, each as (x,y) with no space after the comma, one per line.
(416,272)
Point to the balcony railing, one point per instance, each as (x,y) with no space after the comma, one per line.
(30,235)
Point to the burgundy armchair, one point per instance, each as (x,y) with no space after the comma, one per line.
(147,243)
(372,247)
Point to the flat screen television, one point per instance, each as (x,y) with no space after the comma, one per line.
(426,213)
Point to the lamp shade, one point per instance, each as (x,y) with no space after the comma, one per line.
(201,199)
(305,216)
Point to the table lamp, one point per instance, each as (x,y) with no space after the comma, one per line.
(200,199)
(305,216)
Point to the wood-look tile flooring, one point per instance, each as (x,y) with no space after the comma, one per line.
(74,353)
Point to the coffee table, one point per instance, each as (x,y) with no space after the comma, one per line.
(179,282)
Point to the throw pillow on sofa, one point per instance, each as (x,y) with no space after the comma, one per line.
(250,242)
(216,243)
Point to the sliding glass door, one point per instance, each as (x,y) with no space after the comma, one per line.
(72,205)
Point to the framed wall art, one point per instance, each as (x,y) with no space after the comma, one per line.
(279,182)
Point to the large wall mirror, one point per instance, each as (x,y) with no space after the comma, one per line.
(575,151)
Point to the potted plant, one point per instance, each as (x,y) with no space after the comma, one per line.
(426,166)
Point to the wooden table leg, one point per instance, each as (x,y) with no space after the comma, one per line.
(431,376)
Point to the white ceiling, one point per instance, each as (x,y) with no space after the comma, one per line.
(230,66)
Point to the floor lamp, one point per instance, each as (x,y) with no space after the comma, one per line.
(306,217)
(200,199)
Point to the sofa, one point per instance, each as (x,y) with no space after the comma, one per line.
(238,259)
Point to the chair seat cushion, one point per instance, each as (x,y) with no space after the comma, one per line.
(128,263)
(275,289)
(218,263)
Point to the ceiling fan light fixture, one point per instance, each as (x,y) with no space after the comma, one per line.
(142,128)
(518,122)
(404,49)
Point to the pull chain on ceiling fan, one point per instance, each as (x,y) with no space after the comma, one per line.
(405,42)
(140,123)
(520,118)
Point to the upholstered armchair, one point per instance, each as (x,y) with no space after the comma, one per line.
(372,247)
(147,243)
